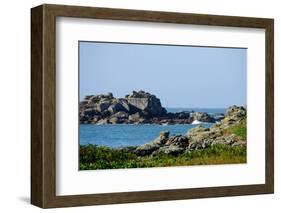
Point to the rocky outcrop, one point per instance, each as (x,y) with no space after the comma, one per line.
(147,103)
(203,117)
(198,137)
(136,108)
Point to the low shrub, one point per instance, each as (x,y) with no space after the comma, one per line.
(102,157)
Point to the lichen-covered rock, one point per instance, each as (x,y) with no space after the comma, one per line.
(195,145)
(178,140)
(240,144)
(234,115)
(219,141)
(169,150)
(200,134)
(197,130)
(146,149)
(231,139)
(236,111)
(162,139)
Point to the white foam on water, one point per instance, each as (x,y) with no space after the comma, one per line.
(197,122)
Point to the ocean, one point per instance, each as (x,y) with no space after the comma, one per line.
(120,135)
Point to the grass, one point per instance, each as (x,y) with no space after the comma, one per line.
(102,157)
(240,130)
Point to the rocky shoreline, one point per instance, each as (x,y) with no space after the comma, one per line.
(199,137)
(136,108)
(223,143)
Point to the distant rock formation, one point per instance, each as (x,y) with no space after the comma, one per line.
(137,108)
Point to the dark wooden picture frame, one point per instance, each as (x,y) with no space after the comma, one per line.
(43,105)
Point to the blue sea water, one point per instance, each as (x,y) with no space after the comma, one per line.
(119,135)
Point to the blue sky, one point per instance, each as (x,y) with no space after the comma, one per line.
(181,76)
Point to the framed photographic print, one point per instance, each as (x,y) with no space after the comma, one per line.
(137,106)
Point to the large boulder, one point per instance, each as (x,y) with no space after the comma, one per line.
(135,117)
(169,150)
(236,111)
(201,137)
(119,117)
(234,115)
(149,148)
(146,149)
(178,140)
(102,106)
(146,102)
(125,104)
(163,137)
(240,144)
(116,107)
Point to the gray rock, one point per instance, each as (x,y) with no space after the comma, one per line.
(169,150)
(122,115)
(240,144)
(128,149)
(103,106)
(146,149)
(161,139)
(164,135)
(125,104)
(135,117)
(146,102)
(195,145)
(237,111)
(219,141)
(207,143)
(90,112)
(95,119)
(117,107)
(103,121)
(202,116)
(119,117)
(114,120)
(196,130)
(105,114)
(231,139)
(178,140)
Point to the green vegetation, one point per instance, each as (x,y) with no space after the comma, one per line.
(102,157)
(239,129)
